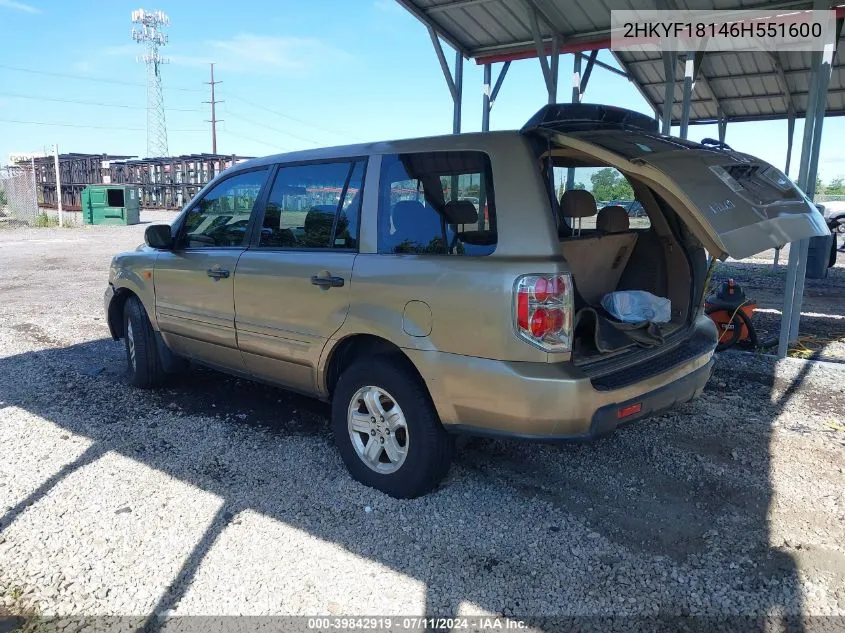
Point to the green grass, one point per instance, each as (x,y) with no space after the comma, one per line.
(42,220)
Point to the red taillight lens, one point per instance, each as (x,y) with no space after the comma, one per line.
(539,323)
(542,289)
(522,300)
(555,319)
(543,310)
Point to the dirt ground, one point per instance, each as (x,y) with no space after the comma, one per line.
(217,496)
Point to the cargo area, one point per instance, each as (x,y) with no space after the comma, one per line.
(622,244)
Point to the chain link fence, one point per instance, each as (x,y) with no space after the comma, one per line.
(18,197)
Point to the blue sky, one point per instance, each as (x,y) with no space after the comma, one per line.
(295,75)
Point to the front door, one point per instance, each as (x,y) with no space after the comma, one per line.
(292,286)
(194,282)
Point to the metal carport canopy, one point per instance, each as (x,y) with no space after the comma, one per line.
(743,86)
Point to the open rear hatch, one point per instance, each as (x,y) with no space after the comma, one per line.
(735,204)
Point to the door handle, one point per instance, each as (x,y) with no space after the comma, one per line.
(217,273)
(327,282)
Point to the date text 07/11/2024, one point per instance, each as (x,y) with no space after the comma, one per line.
(491,623)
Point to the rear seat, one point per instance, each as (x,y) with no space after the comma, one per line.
(597,259)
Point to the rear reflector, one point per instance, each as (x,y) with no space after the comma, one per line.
(630,409)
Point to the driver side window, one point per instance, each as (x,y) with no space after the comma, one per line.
(221,217)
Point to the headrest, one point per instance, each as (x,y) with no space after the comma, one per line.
(319,216)
(577,203)
(613,219)
(460,212)
(404,212)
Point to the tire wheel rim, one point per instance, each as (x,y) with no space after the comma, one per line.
(130,341)
(378,429)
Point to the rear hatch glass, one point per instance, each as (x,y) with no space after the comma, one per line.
(736,204)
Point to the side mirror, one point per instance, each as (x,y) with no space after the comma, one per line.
(159,236)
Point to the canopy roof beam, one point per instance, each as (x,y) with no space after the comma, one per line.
(549,67)
(456,83)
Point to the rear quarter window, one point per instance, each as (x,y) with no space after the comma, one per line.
(437,203)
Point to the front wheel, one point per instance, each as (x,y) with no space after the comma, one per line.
(387,430)
(142,357)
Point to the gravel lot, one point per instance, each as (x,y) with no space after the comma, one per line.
(823,318)
(216,496)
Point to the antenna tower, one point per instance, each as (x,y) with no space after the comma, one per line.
(150,35)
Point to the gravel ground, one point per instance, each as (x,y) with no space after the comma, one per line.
(217,496)
(822,319)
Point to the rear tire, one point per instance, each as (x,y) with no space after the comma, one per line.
(406,451)
(142,357)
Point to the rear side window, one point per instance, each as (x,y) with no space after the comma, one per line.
(437,203)
(314,206)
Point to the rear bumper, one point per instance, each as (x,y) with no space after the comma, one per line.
(554,402)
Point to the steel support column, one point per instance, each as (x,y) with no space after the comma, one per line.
(790,136)
(490,95)
(823,81)
(797,265)
(585,78)
(669,60)
(689,73)
(459,89)
(455,84)
(576,98)
(553,68)
(723,127)
(485,106)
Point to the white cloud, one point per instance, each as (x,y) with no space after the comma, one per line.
(19,6)
(249,52)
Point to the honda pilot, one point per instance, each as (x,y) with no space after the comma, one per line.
(456,285)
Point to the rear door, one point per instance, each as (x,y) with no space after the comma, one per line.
(736,204)
(293,284)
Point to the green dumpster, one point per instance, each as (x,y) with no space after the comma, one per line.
(110,204)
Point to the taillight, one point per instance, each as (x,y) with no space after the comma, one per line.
(543,310)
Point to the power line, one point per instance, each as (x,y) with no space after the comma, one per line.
(90,127)
(270,127)
(255,140)
(287,116)
(119,82)
(91,103)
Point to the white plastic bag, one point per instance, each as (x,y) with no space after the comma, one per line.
(636,306)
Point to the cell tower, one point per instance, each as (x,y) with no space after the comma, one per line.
(152,38)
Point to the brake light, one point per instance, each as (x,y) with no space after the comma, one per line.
(543,310)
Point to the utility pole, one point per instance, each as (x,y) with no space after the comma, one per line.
(214,118)
(58,183)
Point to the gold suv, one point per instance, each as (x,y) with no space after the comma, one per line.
(447,285)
